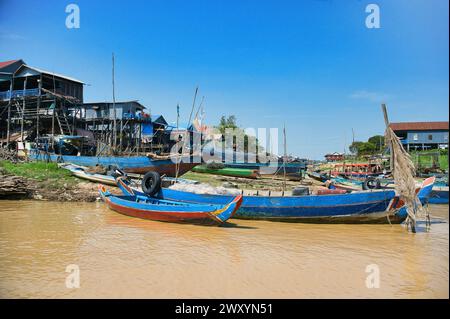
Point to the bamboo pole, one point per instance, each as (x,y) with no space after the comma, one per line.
(38,106)
(23,111)
(391,153)
(120,136)
(284,158)
(8,133)
(114,107)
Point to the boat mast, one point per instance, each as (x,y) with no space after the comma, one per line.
(114,107)
(178,120)
(391,153)
(284,158)
(187,131)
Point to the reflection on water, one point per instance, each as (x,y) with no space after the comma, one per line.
(123,257)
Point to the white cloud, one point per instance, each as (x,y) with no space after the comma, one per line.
(370,96)
(11,36)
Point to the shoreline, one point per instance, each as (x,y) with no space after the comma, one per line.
(43,182)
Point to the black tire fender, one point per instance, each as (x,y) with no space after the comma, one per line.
(371,183)
(151,183)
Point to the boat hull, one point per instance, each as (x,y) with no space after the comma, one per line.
(439,195)
(291,170)
(234,172)
(347,208)
(191,214)
(132,164)
(364,207)
(375,206)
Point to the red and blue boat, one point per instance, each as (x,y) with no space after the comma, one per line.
(142,206)
(373,206)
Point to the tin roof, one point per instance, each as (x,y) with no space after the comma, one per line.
(20,72)
(6,63)
(419,126)
(139,106)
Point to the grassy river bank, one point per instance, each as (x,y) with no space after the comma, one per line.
(43,181)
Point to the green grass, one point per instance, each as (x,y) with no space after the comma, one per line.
(425,160)
(202,178)
(49,174)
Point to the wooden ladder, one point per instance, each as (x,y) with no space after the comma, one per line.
(63,123)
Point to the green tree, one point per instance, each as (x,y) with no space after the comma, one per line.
(227,122)
(378,141)
(362,148)
(250,142)
(354,147)
(367,148)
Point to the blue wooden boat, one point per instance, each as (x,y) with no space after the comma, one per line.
(292,170)
(318,176)
(82,172)
(129,164)
(142,206)
(360,207)
(439,195)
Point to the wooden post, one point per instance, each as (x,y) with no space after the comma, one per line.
(140,136)
(38,106)
(386,122)
(23,110)
(8,133)
(284,158)
(114,106)
(120,136)
(53,123)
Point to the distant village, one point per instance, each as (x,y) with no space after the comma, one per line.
(35,104)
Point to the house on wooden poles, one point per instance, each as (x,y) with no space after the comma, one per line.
(36,105)
(36,102)
(136,130)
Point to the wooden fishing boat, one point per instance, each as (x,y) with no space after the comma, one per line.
(129,164)
(142,206)
(81,172)
(375,206)
(439,195)
(318,176)
(235,172)
(292,170)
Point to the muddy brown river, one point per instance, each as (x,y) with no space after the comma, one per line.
(84,250)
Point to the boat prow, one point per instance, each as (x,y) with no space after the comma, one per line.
(146,207)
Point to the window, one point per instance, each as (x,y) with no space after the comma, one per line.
(430,137)
(415,137)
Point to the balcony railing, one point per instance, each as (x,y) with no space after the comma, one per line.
(18,93)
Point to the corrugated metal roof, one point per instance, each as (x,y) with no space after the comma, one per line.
(50,73)
(158,119)
(419,126)
(6,63)
(139,105)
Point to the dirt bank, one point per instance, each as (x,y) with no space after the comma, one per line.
(19,187)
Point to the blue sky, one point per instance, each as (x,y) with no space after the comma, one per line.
(311,65)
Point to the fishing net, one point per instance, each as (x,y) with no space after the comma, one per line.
(403,171)
(204,189)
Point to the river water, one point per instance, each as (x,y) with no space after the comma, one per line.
(123,257)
